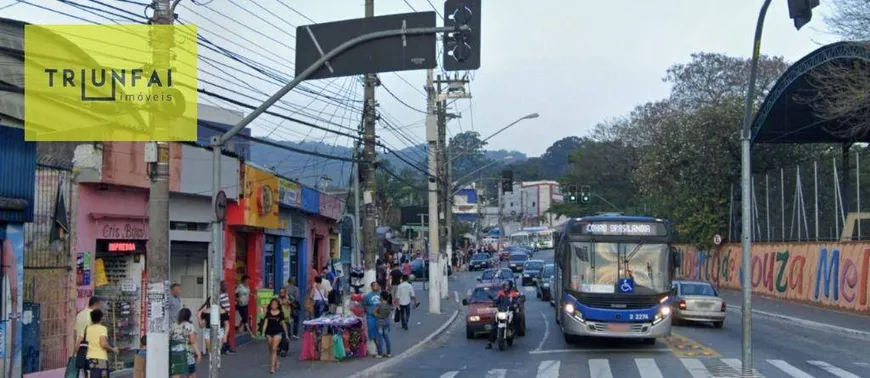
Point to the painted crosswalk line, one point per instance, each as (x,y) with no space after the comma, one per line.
(548,369)
(695,367)
(647,368)
(789,369)
(833,369)
(496,373)
(599,368)
(449,374)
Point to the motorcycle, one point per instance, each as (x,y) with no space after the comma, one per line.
(505,325)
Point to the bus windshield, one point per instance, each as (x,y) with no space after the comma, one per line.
(597,267)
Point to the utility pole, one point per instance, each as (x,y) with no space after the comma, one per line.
(442,175)
(157,257)
(370,237)
(355,255)
(435,271)
(501,233)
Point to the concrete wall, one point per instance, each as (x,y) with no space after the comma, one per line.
(831,275)
(196,173)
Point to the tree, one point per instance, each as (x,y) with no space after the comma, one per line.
(466,150)
(842,90)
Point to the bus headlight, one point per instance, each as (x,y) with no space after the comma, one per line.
(572,311)
(663,313)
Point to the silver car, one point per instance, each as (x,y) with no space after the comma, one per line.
(698,302)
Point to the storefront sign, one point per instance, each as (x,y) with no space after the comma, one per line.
(83,269)
(259,205)
(285,263)
(265,199)
(100,278)
(120,230)
(289,193)
(330,206)
(122,246)
(264,296)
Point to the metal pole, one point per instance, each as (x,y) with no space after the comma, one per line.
(730,213)
(356,198)
(837,200)
(816,188)
(747,209)
(501,232)
(782,201)
(449,213)
(369,158)
(434,253)
(858,190)
(215,264)
(767,202)
(157,257)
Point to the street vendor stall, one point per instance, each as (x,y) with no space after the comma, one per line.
(333,338)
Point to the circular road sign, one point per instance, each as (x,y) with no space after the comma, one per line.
(220,206)
(717,240)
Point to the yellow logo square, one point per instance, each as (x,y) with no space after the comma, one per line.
(131,83)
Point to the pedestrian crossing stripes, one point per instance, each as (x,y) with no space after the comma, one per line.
(691,367)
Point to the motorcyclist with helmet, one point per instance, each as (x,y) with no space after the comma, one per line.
(507,298)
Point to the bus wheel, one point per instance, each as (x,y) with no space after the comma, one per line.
(649,341)
(570,339)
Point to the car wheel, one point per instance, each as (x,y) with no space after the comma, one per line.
(718,324)
(570,339)
(469,334)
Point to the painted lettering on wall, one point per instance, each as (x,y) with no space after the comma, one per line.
(123,230)
(835,274)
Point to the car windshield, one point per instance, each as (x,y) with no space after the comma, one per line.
(697,289)
(479,257)
(548,270)
(534,265)
(505,274)
(483,295)
(519,257)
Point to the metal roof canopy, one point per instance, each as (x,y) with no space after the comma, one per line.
(782,118)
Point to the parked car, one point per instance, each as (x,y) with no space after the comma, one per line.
(531,271)
(420,269)
(545,282)
(696,301)
(480,261)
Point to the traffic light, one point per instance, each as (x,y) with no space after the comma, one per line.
(462,48)
(801,11)
(585,194)
(572,193)
(507,181)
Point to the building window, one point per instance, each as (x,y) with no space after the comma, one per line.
(188,226)
(533,204)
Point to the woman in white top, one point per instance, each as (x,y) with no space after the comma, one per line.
(319,295)
(243,296)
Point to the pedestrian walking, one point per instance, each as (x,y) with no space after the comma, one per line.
(319,296)
(174,300)
(274,328)
(225,309)
(406,296)
(204,314)
(97,337)
(395,279)
(371,302)
(293,294)
(382,315)
(243,297)
(183,349)
(326,281)
(83,318)
(406,267)
(287,310)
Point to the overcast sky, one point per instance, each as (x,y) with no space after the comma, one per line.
(575,62)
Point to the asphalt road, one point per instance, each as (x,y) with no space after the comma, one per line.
(780,349)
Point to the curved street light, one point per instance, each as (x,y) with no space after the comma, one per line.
(525,117)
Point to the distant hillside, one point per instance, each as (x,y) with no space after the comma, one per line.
(308,169)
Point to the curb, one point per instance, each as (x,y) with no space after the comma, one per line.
(408,352)
(808,323)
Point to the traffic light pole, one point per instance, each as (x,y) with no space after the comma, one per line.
(432,150)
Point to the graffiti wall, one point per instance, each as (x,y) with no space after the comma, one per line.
(828,274)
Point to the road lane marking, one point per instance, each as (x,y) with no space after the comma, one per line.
(449,374)
(737,365)
(546,332)
(696,368)
(603,350)
(647,368)
(808,323)
(833,369)
(456,295)
(863,364)
(496,373)
(548,369)
(599,368)
(789,369)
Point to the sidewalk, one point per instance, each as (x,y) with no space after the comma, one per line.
(803,313)
(251,360)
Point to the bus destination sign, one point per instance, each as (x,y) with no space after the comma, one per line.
(622,229)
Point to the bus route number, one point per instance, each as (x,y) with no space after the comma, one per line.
(638,316)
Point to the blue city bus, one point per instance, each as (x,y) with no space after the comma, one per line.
(613,277)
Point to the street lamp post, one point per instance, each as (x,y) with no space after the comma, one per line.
(525,117)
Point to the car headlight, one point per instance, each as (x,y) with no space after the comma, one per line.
(474,318)
(526,275)
(502,316)
(546,284)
